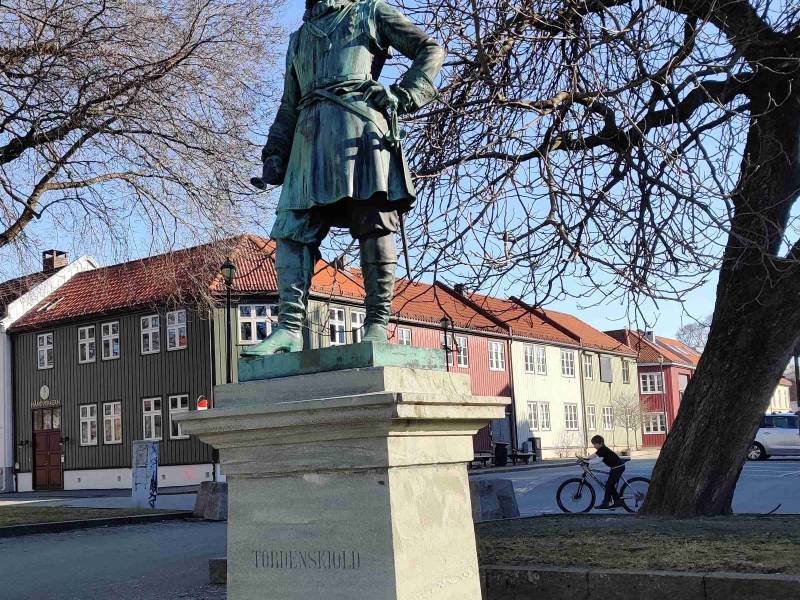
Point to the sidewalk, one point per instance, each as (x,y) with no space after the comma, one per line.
(549,463)
(181,498)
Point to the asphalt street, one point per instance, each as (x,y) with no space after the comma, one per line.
(159,561)
(762,486)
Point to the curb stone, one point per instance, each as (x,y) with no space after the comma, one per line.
(60,526)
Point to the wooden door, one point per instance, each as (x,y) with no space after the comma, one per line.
(47,465)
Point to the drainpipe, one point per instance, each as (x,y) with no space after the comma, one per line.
(583,397)
(513,416)
(796,380)
(664,395)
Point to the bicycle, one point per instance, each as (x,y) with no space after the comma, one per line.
(576,495)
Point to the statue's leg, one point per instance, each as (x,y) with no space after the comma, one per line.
(294,263)
(378,264)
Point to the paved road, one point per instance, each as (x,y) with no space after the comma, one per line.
(762,486)
(159,561)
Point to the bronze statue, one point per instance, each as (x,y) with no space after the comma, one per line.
(335,147)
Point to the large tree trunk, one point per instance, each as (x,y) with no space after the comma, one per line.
(754,329)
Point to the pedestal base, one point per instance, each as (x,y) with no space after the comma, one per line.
(349,496)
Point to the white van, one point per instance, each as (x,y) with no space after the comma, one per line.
(778,435)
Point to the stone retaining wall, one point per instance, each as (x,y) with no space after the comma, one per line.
(562,583)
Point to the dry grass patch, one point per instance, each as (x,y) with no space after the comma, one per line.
(28,515)
(751,544)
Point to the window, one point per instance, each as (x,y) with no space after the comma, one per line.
(651,383)
(533,416)
(587,366)
(462,351)
(568,363)
(88,415)
(44,350)
(337,325)
(177,404)
(541,360)
(110,335)
(255,322)
(606,369)
(544,416)
(176,330)
(608,418)
(87,351)
(151,409)
(529,352)
(497,359)
(112,422)
(151,334)
(626,371)
(571,417)
(784,421)
(357,325)
(655,423)
(404,336)
(591,417)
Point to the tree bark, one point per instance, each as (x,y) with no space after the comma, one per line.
(754,329)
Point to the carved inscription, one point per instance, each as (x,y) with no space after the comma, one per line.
(340,560)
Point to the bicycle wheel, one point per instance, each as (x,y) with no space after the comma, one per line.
(575,495)
(634,492)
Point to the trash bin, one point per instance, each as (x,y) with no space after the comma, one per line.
(536,448)
(500,454)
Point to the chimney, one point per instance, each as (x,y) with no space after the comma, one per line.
(459,289)
(339,264)
(650,336)
(53,260)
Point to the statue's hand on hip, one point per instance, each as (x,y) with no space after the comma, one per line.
(381,98)
(272,173)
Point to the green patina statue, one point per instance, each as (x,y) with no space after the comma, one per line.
(335,147)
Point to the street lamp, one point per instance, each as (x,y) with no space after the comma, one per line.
(446,324)
(228,270)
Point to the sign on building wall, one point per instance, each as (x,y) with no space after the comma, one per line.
(144,488)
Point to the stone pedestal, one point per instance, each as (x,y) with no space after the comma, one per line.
(350,484)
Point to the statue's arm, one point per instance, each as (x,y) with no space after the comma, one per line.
(415,88)
(281,134)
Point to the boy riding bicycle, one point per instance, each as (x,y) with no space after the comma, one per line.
(616,469)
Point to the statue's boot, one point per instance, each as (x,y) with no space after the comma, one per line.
(378,265)
(294,263)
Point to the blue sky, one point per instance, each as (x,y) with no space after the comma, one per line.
(665,317)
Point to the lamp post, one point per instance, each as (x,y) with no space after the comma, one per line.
(446,324)
(228,270)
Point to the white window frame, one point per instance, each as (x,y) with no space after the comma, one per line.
(449,352)
(571,421)
(529,358)
(153,415)
(150,332)
(567,363)
(87,342)
(44,343)
(533,416)
(110,417)
(357,318)
(651,383)
(626,371)
(541,360)
(655,423)
(88,416)
(588,366)
(497,356)
(403,336)
(591,417)
(608,418)
(176,321)
(544,416)
(269,318)
(110,337)
(337,327)
(178,403)
(462,351)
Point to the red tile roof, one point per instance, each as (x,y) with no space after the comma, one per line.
(662,349)
(589,336)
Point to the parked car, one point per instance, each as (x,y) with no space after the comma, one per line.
(778,435)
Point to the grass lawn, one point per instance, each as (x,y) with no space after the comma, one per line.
(27,514)
(753,544)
